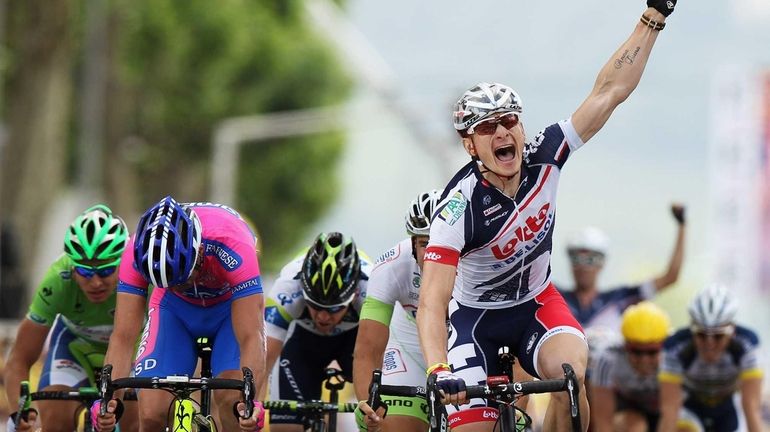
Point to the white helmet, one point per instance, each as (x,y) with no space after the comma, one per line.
(713,307)
(589,238)
(420,212)
(482,101)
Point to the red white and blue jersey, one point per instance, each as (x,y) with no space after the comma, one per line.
(606,309)
(229,270)
(502,245)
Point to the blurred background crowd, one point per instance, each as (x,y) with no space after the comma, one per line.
(311,115)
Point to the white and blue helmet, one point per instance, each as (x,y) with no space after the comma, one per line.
(713,307)
(483,101)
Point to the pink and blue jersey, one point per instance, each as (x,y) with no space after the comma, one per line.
(230,268)
(177,317)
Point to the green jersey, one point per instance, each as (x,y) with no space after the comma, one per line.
(59,294)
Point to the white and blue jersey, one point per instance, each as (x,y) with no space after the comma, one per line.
(710,387)
(501,245)
(607,307)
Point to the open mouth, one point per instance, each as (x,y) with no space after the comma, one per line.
(505,153)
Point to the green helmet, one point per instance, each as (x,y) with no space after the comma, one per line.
(331,270)
(96,234)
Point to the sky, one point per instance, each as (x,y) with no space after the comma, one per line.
(652,152)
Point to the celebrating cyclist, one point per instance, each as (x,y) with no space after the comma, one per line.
(706,364)
(488,259)
(624,385)
(594,309)
(312,319)
(396,350)
(201,260)
(74,304)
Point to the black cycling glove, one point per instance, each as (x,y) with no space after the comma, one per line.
(666,7)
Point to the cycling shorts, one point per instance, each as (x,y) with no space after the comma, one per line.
(475,335)
(67,360)
(302,366)
(168,345)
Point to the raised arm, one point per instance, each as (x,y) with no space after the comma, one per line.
(621,74)
(677,256)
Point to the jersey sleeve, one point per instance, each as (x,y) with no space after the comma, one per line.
(284,304)
(377,310)
(382,284)
(44,306)
(601,376)
(750,363)
(239,260)
(554,144)
(129,279)
(671,368)
(447,229)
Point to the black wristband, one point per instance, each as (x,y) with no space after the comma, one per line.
(666,7)
(652,24)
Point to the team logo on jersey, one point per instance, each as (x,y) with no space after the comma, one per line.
(387,256)
(492,209)
(229,259)
(416,281)
(454,208)
(531,342)
(528,231)
(486,200)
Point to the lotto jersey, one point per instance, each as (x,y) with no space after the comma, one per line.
(607,307)
(59,294)
(612,370)
(502,245)
(710,383)
(285,303)
(230,268)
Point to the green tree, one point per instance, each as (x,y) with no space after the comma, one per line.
(180,67)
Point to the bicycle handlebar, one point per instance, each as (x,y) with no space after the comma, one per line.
(83,394)
(314,406)
(516,389)
(174,383)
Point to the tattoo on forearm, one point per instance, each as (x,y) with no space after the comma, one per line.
(628,57)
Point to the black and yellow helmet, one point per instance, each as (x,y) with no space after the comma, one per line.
(331,270)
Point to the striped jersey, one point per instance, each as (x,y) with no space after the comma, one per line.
(501,245)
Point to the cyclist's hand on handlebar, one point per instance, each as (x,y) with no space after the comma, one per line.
(254,423)
(25,424)
(367,419)
(451,386)
(108,421)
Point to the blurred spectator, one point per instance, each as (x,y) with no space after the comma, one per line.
(596,310)
(12,293)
